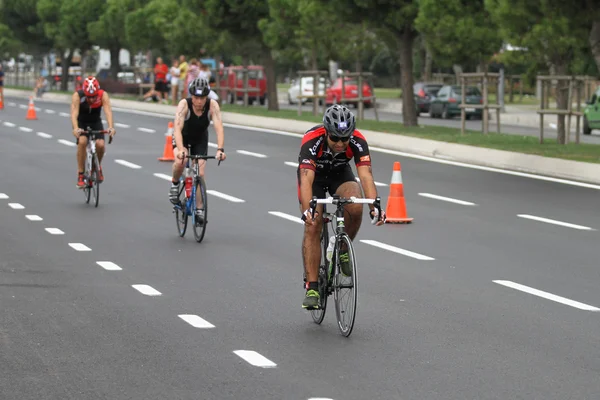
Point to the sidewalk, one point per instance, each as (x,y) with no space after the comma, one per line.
(444,152)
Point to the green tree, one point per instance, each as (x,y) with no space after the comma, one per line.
(552,32)
(148,27)
(22,19)
(458,31)
(9,44)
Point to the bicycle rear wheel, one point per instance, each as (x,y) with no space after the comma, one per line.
(181,216)
(345,287)
(319,314)
(200,226)
(94,177)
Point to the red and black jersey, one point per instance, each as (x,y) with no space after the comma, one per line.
(315,154)
(89,113)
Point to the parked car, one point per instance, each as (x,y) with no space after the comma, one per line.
(591,114)
(333,94)
(307,89)
(446,104)
(425,92)
(234,79)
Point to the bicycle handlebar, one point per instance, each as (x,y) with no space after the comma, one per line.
(89,131)
(340,201)
(197,157)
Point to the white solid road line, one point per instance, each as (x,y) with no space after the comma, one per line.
(164,176)
(286,216)
(128,164)
(16,206)
(249,153)
(147,290)
(54,231)
(79,247)
(25,129)
(34,218)
(547,295)
(196,321)
(118,125)
(291,164)
(255,358)
(44,135)
(376,183)
(555,222)
(146,130)
(109,266)
(66,143)
(448,199)
(9,124)
(3,196)
(398,250)
(225,196)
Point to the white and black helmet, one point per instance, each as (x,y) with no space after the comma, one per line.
(199,87)
(339,121)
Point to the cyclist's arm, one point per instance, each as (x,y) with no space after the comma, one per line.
(362,159)
(307,177)
(74,110)
(367,182)
(182,110)
(107,110)
(215,115)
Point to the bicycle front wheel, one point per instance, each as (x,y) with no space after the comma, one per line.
(200,224)
(180,212)
(345,286)
(95,184)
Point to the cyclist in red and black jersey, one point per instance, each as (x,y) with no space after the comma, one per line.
(323,166)
(86,108)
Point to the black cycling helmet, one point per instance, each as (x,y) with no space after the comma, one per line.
(199,87)
(339,121)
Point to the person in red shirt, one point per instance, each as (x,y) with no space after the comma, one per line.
(160,78)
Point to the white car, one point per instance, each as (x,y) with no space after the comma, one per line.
(307,89)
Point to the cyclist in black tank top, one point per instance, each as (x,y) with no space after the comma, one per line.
(192,120)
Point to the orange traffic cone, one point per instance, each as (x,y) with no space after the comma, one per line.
(31,110)
(168,150)
(396,206)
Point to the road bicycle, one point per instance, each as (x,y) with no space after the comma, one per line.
(331,278)
(92,165)
(191,184)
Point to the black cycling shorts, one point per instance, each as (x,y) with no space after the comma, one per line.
(95,126)
(199,147)
(329,183)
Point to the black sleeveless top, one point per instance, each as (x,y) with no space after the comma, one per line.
(195,126)
(89,113)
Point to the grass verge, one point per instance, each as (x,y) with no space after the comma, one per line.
(520,144)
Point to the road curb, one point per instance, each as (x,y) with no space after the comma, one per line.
(552,167)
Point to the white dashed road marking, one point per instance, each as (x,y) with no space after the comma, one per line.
(12,104)
(146,130)
(448,199)
(213,145)
(3,196)
(147,290)
(286,216)
(128,164)
(79,247)
(34,217)
(376,183)
(63,114)
(44,135)
(292,164)
(555,222)
(225,196)
(547,295)
(109,266)
(16,206)
(118,125)
(249,153)
(196,321)
(25,129)
(54,231)
(50,111)
(164,176)
(9,124)
(398,250)
(255,358)
(66,143)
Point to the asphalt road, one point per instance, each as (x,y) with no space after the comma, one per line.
(476,125)
(441,314)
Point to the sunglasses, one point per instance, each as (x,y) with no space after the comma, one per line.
(336,139)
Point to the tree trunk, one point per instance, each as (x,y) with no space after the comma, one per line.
(115,66)
(405,44)
(65,63)
(562,96)
(269,64)
(595,42)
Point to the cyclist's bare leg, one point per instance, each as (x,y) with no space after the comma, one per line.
(352,212)
(100,149)
(201,167)
(81,153)
(311,248)
(178,166)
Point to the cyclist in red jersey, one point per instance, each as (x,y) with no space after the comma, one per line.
(86,108)
(323,166)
